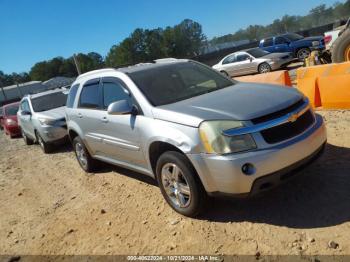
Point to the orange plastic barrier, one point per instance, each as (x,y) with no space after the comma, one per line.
(277,78)
(340,69)
(326,85)
(309,87)
(313,71)
(335,91)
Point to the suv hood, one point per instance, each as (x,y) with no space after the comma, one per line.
(56,113)
(242,101)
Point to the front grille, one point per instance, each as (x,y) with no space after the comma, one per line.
(278,113)
(288,130)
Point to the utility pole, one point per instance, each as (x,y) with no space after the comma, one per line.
(19,90)
(2,90)
(76,64)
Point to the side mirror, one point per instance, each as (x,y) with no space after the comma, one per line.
(121,107)
(251,59)
(26,113)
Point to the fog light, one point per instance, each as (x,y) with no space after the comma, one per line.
(248,169)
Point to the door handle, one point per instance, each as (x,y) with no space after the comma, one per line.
(104,119)
(80,115)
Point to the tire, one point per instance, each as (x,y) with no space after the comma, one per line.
(264,68)
(45,147)
(86,162)
(303,53)
(26,139)
(184,192)
(341,48)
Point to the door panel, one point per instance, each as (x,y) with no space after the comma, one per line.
(26,120)
(121,135)
(121,139)
(88,115)
(88,121)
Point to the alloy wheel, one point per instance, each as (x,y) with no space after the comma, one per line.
(24,136)
(81,155)
(304,53)
(264,68)
(176,185)
(40,141)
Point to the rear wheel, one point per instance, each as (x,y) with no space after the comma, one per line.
(87,163)
(180,185)
(264,68)
(341,48)
(303,53)
(26,139)
(45,147)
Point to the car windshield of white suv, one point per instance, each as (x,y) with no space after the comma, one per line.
(48,102)
(171,83)
(293,37)
(257,52)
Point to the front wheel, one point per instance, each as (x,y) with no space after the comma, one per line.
(303,53)
(87,163)
(179,184)
(264,68)
(45,147)
(26,139)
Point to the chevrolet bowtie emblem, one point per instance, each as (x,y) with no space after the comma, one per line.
(292,118)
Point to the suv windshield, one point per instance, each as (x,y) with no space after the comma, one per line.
(257,52)
(11,110)
(171,83)
(48,102)
(293,37)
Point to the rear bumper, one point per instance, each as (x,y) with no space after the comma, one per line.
(282,63)
(222,174)
(13,130)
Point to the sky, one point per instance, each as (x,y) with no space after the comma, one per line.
(37,30)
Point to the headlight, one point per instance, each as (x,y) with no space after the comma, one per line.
(11,122)
(215,142)
(46,121)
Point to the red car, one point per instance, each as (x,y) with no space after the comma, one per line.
(9,119)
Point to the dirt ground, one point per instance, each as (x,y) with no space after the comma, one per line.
(48,205)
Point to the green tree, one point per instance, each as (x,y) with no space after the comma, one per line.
(182,40)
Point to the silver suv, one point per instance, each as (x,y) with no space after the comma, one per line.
(42,118)
(197,132)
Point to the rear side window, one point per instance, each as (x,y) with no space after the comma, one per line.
(268,42)
(89,97)
(280,41)
(242,57)
(71,96)
(113,92)
(229,59)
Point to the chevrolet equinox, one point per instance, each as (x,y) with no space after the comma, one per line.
(195,131)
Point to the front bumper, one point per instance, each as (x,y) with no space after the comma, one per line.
(281,63)
(53,134)
(223,173)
